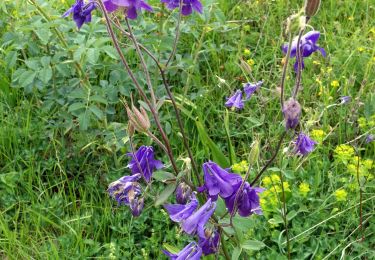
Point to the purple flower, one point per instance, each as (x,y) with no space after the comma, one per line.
(81,12)
(304,144)
(187,5)
(250,88)
(125,189)
(190,252)
(183,193)
(208,240)
(235,100)
(369,138)
(292,112)
(131,6)
(145,163)
(218,181)
(199,218)
(136,206)
(247,202)
(307,47)
(180,212)
(345,100)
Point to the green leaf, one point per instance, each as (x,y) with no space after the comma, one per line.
(84,120)
(216,153)
(171,249)
(97,112)
(110,51)
(164,195)
(291,215)
(11,59)
(253,245)
(45,75)
(76,106)
(163,176)
(99,99)
(93,55)
(26,78)
(236,253)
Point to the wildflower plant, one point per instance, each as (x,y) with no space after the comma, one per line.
(199,191)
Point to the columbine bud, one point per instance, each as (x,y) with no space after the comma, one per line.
(183,193)
(131,129)
(292,112)
(136,206)
(254,152)
(311,7)
(139,119)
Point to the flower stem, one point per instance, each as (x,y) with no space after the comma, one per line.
(284,214)
(299,64)
(285,67)
(177,36)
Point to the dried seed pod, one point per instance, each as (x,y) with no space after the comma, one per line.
(311,7)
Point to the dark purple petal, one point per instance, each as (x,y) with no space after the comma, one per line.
(183,193)
(199,218)
(312,36)
(370,138)
(304,144)
(136,206)
(190,252)
(180,212)
(235,100)
(249,88)
(208,241)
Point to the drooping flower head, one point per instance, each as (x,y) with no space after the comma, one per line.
(370,138)
(247,202)
(180,212)
(345,100)
(218,181)
(125,189)
(249,88)
(190,252)
(199,218)
(187,6)
(209,240)
(143,162)
(307,47)
(136,206)
(292,112)
(81,12)
(235,101)
(183,193)
(132,7)
(304,144)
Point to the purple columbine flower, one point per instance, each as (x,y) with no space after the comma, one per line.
(183,193)
(132,7)
(136,206)
(307,47)
(208,240)
(146,161)
(370,138)
(218,181)
(81,12)
(190,252)
(292,113)
(180,212)
(304,144)
(125,189)
(199,218)
(187,5)
(247,202)
(235,101)
(249,88)
(345,100)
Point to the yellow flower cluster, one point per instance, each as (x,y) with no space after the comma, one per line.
(335,84)
(270,197)
(341,194)
(365,124)
(317,135)
(304,188)
(364,167)
(240,167)
(344,152)
(246,52)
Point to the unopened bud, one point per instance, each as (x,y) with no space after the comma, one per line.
(142,118)
(254,152)
(183,193)
(131,129)
(292,112)
(311,7)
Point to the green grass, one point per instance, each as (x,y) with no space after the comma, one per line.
(54,174)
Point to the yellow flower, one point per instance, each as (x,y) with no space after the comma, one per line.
(246,52)
(317,135)
(362,122)
(350,18)
(304,188)
(316,62)
(240,167)
(335,84)
(267,181)
(251,62)
(275,179)
(341,195)
(286,186)
(344,151)
(329,69)
(368,163)
(360,49)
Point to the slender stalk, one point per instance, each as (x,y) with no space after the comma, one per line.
(299,64)
(285,67)
(174,104)
(153,137)
(284,214)
(143,63)
(177,36)
(140,90)
(360,202)
(270,161)
(222,243)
